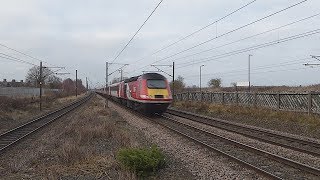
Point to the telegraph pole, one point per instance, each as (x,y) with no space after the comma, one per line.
(106,90)
(173,93)
(40,83)
(87,83)
(76,82)
(200,77)
(249,72)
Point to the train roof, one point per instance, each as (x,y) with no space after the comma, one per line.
(146,76)
(152,76)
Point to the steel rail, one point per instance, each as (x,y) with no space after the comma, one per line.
(250,166)
(306,146)
(14,135)
(276,158)
(260,152)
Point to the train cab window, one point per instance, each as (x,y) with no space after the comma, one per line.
(156,84)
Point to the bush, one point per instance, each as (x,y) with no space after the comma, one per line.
(142,161)
(7,103)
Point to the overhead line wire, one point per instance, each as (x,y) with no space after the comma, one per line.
(248,37)
(259,46)
(229,32)
(6,56)
(25,54)
(234,30)
(137,31)
(293,62)
(195,32)
(282,70)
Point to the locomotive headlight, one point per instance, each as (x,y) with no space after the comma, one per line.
(145,96)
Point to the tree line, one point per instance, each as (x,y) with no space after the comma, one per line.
(180,86)
(51,81)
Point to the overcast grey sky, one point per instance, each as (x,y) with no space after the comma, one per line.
(83,35)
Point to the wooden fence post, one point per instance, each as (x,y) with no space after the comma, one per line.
(255,99)
(309,103)
(222,98)
(278,101)
(237,98)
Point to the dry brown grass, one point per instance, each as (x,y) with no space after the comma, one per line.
(83,145)
(291,122)
(16,111)
(87,145)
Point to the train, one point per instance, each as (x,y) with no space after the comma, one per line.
(149,93)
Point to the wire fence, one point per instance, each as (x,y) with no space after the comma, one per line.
(298,102)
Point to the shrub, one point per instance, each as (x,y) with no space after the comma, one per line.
(7,103)
(142,161)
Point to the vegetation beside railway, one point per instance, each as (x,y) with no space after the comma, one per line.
(142,161)
(16,111)
(84,144)
(290,122)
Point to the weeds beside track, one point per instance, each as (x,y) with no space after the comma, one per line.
(11,137)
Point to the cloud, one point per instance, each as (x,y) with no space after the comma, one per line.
(84,34)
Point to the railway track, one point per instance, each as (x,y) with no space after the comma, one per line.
(13,136)
(305,146)
(265,163)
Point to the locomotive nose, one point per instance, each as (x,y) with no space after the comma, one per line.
(158,93)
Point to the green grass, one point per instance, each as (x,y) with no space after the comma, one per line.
(142,161)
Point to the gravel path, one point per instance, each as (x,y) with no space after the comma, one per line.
(202,163)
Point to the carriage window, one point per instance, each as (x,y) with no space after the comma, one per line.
(156,84)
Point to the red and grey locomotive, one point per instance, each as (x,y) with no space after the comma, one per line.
(149,93)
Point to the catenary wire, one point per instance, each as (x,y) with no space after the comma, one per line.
(137,32)
(8,57)
(25,54)
(229,32)
(270,71)
(248,37)
(290,38)
(197,31)
(268,66)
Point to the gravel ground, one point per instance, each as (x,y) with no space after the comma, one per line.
(284,152)
(202,163)
(54,152)
(292,123)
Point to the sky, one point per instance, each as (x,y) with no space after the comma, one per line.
(84,35)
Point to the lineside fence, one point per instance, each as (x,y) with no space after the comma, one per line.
(298,102)
(24,91)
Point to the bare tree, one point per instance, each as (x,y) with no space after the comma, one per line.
(33,75)
(54,82)
(69,86)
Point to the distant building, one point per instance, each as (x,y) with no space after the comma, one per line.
(13,83)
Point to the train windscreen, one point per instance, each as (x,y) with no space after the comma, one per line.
(156,84)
